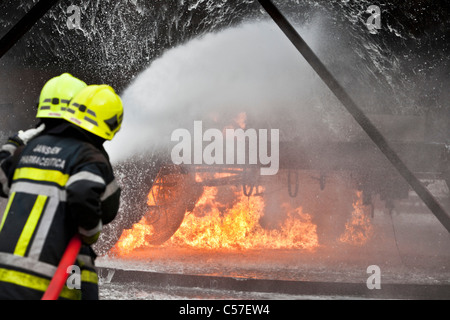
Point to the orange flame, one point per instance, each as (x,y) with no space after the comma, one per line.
(212,226)
(241,120)
(359,229)
(133,238)
(239,228)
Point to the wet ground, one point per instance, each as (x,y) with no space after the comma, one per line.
(415,250)
(139,291)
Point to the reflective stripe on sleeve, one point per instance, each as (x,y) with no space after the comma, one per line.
(111,188)
(10,148)
(85,176)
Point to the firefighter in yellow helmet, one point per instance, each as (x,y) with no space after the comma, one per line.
(98,110)
(54,99)
(56,95)
(61,183)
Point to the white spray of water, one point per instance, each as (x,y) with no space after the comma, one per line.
(251,68)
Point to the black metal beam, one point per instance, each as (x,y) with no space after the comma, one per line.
(374,134)
(24,25)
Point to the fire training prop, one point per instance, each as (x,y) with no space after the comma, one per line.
(374,134)
(61,275)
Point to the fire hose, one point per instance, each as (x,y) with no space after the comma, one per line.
(59,279)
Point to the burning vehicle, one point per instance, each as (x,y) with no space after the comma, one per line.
(330,179)
(313,199)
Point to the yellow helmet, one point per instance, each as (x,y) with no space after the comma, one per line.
(57,94)
(97,109)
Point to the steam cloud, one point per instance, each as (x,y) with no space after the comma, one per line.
(251,68)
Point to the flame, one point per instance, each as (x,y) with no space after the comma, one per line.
(231,226)
(359,229)
(241,120)
(133,238)
(239,228)
(225,219)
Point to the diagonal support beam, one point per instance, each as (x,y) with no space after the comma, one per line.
(24,25)
(370,129)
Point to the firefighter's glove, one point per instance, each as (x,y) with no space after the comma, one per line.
(23,137)
(30,134)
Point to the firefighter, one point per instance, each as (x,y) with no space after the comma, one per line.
(53,103)
(59,184)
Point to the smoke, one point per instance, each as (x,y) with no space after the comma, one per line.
(250,68)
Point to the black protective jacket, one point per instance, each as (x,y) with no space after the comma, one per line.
(59,184)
